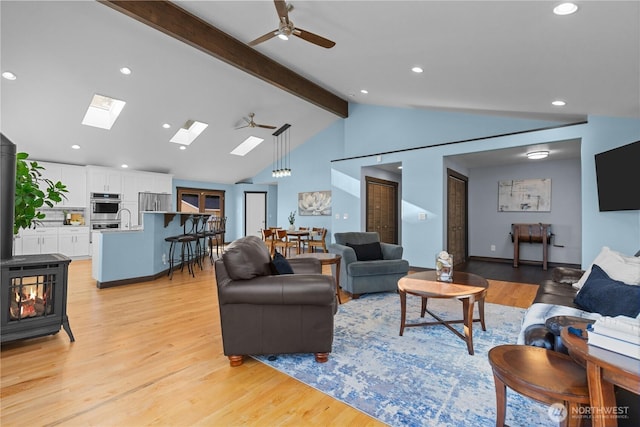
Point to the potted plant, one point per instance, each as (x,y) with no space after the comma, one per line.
(33,192)
(292,220)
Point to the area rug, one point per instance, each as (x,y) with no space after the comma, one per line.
(424,378)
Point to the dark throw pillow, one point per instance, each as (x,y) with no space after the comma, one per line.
(601,294)
(280,265)
(367,251)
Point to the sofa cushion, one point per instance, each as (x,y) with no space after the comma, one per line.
(616,265)
(246,258)
(367,251)
(280,265)
(378,267)
(601,294)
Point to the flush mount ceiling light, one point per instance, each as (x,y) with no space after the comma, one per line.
(103,112)
(247,145)
(536,155)
(565,9)
(9,75)
(189,132)
(559,103)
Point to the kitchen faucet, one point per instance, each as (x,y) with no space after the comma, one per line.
(127,224)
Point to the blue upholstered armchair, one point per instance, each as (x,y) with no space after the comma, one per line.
(368,265)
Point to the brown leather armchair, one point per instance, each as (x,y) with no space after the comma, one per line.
(263,313)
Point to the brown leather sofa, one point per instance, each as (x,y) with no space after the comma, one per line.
(266,313)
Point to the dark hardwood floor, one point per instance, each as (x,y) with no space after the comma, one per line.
(500,270)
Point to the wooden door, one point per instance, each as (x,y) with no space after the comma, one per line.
(457,216)
(382,208)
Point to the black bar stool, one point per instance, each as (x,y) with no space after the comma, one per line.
(187,255)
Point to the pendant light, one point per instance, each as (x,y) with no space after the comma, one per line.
(282,152)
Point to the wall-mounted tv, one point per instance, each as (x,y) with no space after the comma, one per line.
(618,175)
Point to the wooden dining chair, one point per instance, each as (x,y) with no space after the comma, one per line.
(317,239)
(268,239)
(282,241)
(301,240)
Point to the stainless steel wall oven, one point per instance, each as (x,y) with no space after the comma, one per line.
(104,210)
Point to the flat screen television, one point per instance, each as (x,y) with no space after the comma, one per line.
(618,176)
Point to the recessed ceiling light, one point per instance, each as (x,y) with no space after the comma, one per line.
(536,155)
(565,9)
(166,125)
(125,70)
(364,91)
(247,145)
(188,132)
(183,147)
(75,146)
(103,111)
(124,166)
(559,103)
(9,75)
(417,70)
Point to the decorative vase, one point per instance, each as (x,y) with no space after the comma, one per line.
(444,267)
(292,227)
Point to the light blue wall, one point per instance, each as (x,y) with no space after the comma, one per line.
(311,171)
(371,130)
(489,227)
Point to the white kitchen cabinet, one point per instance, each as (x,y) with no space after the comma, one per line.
(17,244)
(104,180)
(73,241)
(145,182)
(74,177)
(39,241)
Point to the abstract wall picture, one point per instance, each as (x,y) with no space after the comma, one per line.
(524,195)
(314,203)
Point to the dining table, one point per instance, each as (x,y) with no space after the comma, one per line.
(298,234)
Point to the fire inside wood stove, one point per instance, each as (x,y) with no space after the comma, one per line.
(31,296)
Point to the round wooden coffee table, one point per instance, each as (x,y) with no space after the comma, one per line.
(465,287)
(327,259)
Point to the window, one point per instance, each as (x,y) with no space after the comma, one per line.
(198,200)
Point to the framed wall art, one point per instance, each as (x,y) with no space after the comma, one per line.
(524,195)
(314,203)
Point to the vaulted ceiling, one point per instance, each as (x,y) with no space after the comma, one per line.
(507,58)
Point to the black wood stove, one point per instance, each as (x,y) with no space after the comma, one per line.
(33,302)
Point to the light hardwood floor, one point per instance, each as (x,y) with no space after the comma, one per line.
(151,354)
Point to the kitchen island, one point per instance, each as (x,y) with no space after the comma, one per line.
(139,254)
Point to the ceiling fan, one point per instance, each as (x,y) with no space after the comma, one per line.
(286,29)
(252,124)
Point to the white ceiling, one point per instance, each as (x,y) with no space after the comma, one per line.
(509,58)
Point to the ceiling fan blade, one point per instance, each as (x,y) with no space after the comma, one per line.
(242,127)
(314,38)
(266,126)
(283,11)
(264,38)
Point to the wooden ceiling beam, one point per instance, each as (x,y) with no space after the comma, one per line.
(188,28)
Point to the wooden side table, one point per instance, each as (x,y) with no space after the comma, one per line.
(540,374)
(604,370)
(327,259)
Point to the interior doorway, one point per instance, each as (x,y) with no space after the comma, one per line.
(382,208)
(457,216)
(255,212)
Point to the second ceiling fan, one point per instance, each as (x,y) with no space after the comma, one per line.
(287,29)
(252,124)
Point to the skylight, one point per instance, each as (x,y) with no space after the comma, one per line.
(246,146)
(189,132)
(103,112)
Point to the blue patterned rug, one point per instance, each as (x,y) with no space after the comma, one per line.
(424,378)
